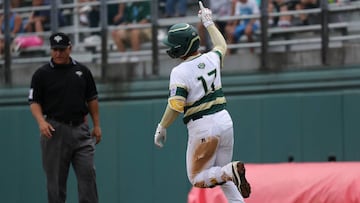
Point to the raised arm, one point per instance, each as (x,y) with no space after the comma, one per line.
(217,38)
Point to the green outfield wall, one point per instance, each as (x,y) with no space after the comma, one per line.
(309,115)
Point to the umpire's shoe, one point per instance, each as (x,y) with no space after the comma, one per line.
(239,179)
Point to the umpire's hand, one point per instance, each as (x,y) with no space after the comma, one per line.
(46,129)
(97,133)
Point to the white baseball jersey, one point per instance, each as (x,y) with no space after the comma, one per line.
(198,82)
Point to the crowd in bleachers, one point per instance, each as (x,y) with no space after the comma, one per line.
(15,26)
(88,13)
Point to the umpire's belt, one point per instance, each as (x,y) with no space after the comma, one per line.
(67,122)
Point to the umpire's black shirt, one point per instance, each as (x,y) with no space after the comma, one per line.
(63,90)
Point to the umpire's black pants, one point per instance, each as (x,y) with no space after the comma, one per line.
(69,145)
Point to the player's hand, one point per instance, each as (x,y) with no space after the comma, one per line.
(205,15)
(160,136)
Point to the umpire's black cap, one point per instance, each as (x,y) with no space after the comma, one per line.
(59,41)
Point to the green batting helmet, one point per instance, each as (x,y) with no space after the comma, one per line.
(182,39)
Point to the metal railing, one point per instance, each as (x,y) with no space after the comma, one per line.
(264,42)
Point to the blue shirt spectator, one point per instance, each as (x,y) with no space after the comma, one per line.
(236,29)
(175,8)
(15,25)
(39,20)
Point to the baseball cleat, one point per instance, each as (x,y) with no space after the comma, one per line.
(239,179)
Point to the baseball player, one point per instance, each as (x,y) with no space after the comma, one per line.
(196,91)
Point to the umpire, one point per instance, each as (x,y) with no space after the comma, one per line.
(61,95)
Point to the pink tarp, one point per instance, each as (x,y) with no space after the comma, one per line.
(326,182)
(213,195)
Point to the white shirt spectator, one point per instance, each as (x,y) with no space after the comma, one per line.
(246,7)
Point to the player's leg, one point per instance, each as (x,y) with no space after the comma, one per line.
(208,157)
(231,193)
(205,138)
(200,162)
(239,178)
(224,157)
(200,154)
(225,152)
(225,130)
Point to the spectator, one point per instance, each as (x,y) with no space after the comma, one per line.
(162,7)
(271,8)
(284,6)
(39,20)
(175,8)
(16,3)
(288,5)
(15,24)
(235,29)
(83,12)
(219,8)
(116,13)
(90,16)
(135,13)
(306,4)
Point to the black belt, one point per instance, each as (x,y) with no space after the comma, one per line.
(67,122)
(194,118)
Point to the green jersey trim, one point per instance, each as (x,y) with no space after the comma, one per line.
(213,109)
(209,104)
